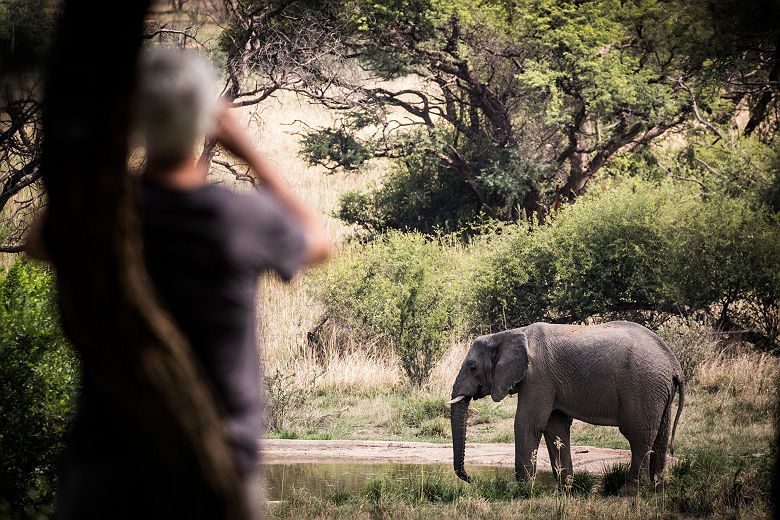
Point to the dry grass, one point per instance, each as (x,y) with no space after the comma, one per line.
(443,374)
(750,376)
(359,373)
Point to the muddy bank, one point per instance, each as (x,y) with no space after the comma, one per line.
(280,451)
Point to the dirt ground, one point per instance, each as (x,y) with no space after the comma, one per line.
(279,451)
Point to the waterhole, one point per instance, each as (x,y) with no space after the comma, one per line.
(323,478)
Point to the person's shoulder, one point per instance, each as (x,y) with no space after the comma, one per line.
(258,203)
(226,202)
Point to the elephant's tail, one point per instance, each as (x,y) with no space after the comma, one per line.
(679,381)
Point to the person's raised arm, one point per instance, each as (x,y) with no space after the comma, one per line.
(231,136)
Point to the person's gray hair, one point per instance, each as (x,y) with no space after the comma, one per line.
(177,102)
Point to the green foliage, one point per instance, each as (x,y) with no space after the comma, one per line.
(417,194)
(416,410)
(512,100)
(399,292)
(608,254)
(38,380)
(26,29)
(635,248)
(336,148)
(512,284)
(613,479)
(709,481)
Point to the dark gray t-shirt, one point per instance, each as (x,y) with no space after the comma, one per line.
(205,248)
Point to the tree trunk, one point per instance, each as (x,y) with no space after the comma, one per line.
(134,356)
(579,175)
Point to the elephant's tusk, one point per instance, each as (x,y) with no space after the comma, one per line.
(453,401)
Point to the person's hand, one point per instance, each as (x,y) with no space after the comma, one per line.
(232,137)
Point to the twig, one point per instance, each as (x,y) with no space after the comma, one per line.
(237,174)
(679,178)
(710,168)
(698,115)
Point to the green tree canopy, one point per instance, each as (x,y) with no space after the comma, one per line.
(522,103)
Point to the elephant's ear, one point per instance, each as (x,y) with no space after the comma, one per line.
(511,363)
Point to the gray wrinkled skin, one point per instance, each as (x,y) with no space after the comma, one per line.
(615,374)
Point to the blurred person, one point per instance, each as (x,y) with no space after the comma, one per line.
(205,247)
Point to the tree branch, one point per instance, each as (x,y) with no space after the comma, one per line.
(698,115)
(12,249)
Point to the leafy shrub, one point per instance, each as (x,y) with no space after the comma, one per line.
(417,194)
(38,382)
(610,253)
(630,250)
(689,341)
(711,481)
(512,282)
(724,252)
(400,292)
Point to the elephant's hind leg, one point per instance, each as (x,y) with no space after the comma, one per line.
(641,442)
(658,457)
(556,436)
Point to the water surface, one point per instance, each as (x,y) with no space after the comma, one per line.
(323,478)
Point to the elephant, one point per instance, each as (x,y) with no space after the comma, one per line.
(614,374)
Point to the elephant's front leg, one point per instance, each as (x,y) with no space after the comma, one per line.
(528,433)
(556,436)
(526,445)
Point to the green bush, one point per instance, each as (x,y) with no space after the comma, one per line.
(632,250)
(723,252)
(610,253)
(417,194)
(689,339)
(614,478)
(710,481)
(513,278)
(399,292)
(38,380)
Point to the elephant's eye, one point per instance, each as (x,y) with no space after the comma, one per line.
(472,366)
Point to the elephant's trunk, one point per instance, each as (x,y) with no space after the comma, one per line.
(458,419)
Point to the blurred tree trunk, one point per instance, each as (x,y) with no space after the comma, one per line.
(135,356)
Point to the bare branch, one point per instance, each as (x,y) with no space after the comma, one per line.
(696,113)
(707,166)
(687,179)
(246,176)
(12,249)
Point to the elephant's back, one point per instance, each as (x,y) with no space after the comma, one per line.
(635,346)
